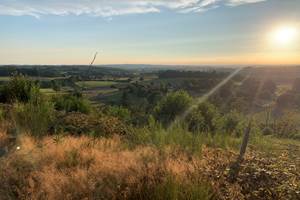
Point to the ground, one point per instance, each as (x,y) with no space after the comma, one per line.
(84,167)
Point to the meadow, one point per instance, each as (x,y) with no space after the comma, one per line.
(95,84)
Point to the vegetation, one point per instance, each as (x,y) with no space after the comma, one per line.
(69,145)
(72,103)
(36,116)
(204,118)
(92,84)
(19,89)
(171,106)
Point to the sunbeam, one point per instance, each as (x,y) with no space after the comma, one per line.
(204,97)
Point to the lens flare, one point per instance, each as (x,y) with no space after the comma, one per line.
(204,97)
(284,35)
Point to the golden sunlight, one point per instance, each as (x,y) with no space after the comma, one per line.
(284,35)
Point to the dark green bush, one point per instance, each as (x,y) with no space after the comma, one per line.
(29,110)
(205,118)
(72,103)
(172,105)
(18,89)
(119,112)
(231,122)
(36,116)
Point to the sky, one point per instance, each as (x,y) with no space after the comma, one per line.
(180,32)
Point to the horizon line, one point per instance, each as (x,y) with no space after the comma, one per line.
(167,65)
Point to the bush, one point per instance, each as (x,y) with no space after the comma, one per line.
(36,116)
(205,118)
(286,126)
(119,112)
(18,89)
(172,105)
(231,122)
(79,123)
(71,103)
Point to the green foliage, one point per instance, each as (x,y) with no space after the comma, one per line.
(273,145)
(95,84)
(36,116)
(232,123)
(30,111)
(205,118)
(172,188)
(72,103)
(286,126)
(179,137)
(18,89)
(120,112)
(125,99)
(172,105)
(56,86)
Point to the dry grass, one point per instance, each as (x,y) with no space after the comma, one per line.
(3,139)
(87,168)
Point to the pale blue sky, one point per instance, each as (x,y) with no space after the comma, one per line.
(146,31)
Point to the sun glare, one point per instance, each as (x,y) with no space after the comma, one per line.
(284,35)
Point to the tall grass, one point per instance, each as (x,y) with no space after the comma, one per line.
(87,168)
(161,164)
(179,137)
(273,145)
(35,116)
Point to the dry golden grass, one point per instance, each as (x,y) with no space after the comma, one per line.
(88,168)
(3,139)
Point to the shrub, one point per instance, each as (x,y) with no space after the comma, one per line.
(172,105)
(36,116)
(286,126)
(18,89)
(56,86)
(79,123)
(231,122)
(72,103)
(283,126)
(119,112)
(205,118)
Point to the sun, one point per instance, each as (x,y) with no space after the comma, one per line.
(284,35)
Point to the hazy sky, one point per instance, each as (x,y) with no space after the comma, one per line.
(147,31)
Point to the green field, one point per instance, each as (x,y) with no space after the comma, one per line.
(49,91)
(4,78)
(7,78)
(94,84)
